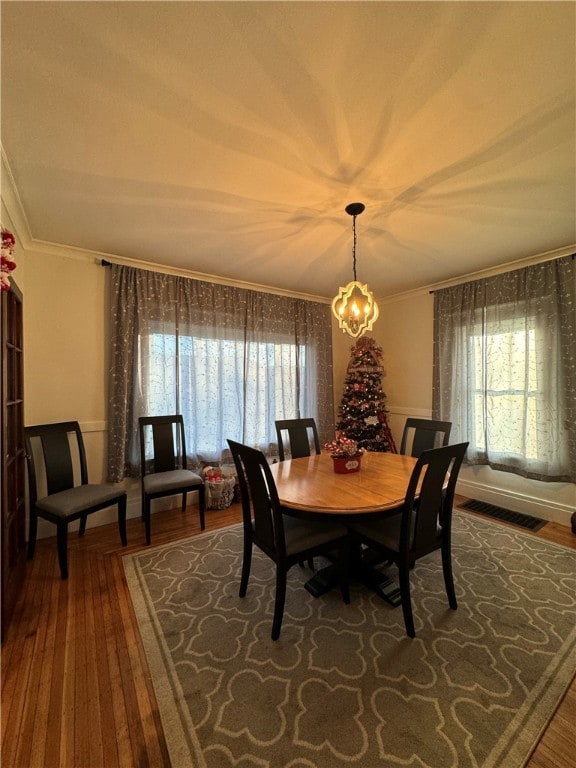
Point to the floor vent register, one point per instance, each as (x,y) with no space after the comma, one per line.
(514,518)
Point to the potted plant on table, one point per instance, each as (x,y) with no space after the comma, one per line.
(346,455)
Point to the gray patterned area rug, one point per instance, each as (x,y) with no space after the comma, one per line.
(344,686)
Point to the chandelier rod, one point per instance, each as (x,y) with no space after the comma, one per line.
(354,209)
(354,247)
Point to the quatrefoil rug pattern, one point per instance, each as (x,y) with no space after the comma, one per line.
(344,686)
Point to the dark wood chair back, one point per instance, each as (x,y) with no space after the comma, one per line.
(166,450)
(260,505)
(426,433)
(56,442)
(302,433)
(427,512)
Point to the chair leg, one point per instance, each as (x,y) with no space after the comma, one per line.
(448,577)
(184,501)
(122,520)
(404,578)
(344,556)
(83,520)
(146,515)
(32,530)
(279,601)
(62,546)
(202,506)
(246,564)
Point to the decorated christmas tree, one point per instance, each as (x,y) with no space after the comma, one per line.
(362,414)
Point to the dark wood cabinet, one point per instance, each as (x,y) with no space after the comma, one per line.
(13,513)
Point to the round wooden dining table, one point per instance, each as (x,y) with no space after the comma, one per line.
(309,487)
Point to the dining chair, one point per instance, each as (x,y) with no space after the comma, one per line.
(302,433)
(163,470)
(422,434)
(423,524)
(59,491)
(285,539)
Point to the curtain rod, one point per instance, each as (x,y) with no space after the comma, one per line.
(215,280)
(513,269)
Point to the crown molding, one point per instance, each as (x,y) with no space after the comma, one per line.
(71,252)
(13,203)
(508,266)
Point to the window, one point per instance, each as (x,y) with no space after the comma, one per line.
(504,369)
(230,360)
(204,380)
(504,363)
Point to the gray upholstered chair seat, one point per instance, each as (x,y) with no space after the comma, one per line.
(384,531)
(387,535)
(166,481)
(300,535)
(76,500)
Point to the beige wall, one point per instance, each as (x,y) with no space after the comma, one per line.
(65,329)
(65,321)
(65,373)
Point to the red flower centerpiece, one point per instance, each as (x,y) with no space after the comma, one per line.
(346,455)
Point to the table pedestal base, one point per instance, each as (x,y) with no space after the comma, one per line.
(327,578)
(323,581)
(382,585)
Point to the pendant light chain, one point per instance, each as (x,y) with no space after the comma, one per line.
(354,247)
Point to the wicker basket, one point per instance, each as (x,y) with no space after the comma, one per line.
(219,495)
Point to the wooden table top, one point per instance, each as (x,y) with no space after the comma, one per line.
(310,484)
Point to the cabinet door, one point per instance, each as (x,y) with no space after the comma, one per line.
(13,512)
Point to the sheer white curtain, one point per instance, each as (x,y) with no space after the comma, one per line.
(232,361)
(505,369)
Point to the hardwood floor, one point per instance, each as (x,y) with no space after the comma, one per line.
(76,691)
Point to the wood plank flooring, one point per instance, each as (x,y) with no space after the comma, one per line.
(76,690)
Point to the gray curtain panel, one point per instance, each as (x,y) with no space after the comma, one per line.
(231,360)
(505,369)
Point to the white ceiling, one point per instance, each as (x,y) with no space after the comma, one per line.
(228,137)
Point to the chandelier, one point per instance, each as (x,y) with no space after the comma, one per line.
(354,306)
